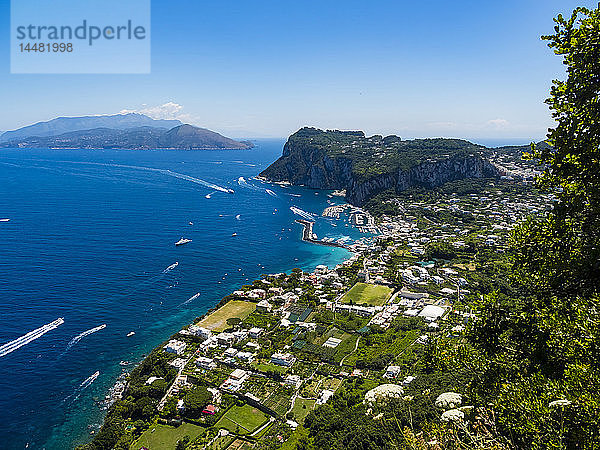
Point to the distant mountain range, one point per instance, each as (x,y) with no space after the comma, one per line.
(127,131)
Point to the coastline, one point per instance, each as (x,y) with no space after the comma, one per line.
(132,292)
(116,389)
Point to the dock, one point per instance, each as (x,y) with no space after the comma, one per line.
(307,234)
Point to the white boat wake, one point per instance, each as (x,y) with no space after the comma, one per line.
(243,183)
(302,213)
(89,380)
(191,299)
(167,172)
(193,180)
(271,193)
(84,385)
(11,346)
(171,267)
(79,337)
(237,217)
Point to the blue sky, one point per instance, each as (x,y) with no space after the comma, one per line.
(469,69)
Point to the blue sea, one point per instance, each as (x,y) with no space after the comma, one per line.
(91,239)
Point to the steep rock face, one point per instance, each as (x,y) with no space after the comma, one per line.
(306,165)
(428,175)
(314,166)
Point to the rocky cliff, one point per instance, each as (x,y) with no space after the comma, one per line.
(365,166)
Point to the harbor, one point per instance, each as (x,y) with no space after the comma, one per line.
(309,236)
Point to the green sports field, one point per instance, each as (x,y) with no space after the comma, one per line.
(370,294)
(217,321)
(242,419)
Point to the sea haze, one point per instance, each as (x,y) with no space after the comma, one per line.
(90,237)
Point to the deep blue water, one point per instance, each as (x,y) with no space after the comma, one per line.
(91,233)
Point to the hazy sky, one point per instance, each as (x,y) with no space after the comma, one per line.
(470,69)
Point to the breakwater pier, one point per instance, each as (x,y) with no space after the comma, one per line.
(309,236)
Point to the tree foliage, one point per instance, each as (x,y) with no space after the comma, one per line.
(541,343)
(195,401)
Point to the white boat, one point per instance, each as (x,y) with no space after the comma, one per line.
(131,333)
(182,241)
(231,191)
(234,234)
(4,220)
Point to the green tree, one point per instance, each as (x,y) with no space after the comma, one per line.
(195,401)
(541,343)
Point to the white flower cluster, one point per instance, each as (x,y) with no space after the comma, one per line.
(383,392)
(560,403)
(448,400)
(452,415)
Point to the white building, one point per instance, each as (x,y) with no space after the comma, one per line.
(174,346)
(293,380)
(230,353)
(392,371)
(200,331)
(235,381)
(264,306)
(283,359)
(225,338)
(255,332)
(205,363)
(432,312)
(245,356)
(321,269)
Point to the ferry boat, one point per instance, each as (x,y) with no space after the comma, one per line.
(182,241)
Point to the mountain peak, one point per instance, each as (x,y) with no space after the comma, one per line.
(61,125)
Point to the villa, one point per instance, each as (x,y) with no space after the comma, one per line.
(174,346)
(283,359)
(263,307)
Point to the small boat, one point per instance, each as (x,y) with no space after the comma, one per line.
(207,196)
(124,363)
(230,191)
(4,220)
(171,267)
(182,241)
(131,333)
(190,223)
(234,234)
